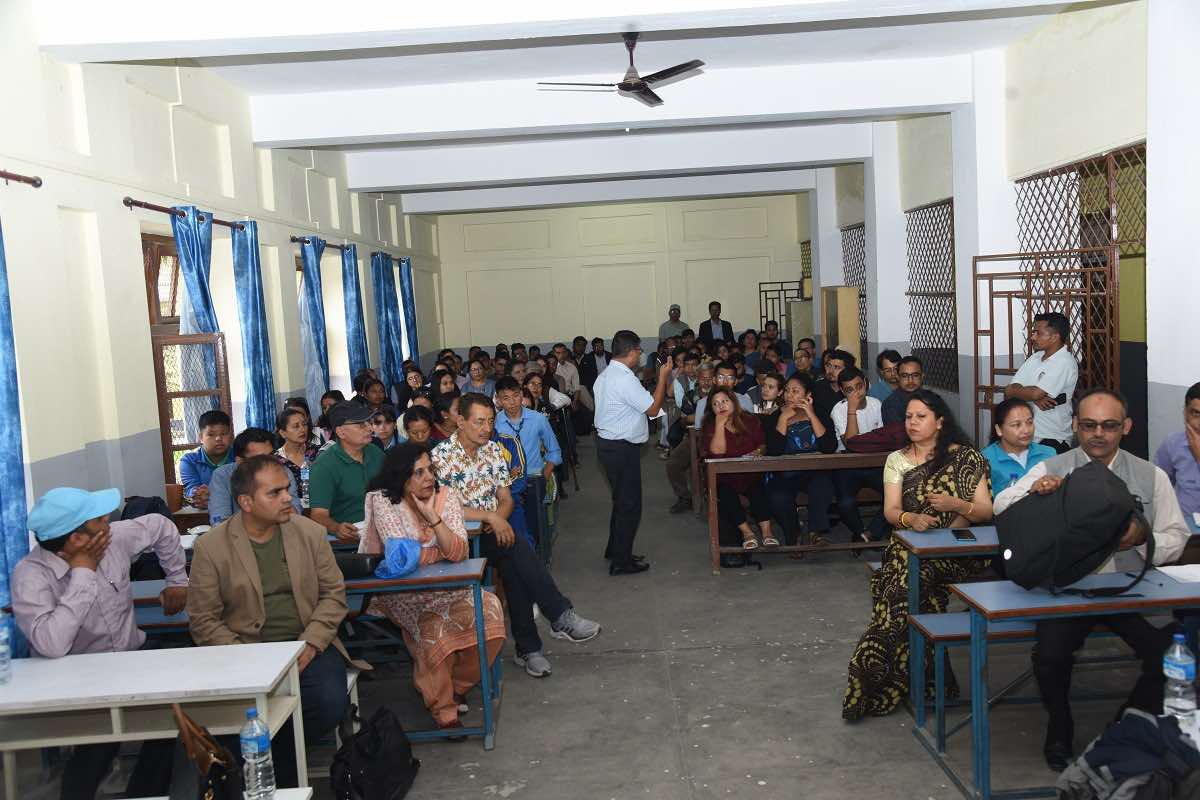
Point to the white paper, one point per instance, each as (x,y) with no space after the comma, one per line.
(662,412)
(1184,573)
(1196,518)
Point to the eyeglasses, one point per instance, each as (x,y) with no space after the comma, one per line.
(1109,425)
(910,375)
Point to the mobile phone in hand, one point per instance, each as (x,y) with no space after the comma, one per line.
(1061,399)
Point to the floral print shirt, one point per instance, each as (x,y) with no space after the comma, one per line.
(476,480)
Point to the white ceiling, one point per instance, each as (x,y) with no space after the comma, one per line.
(604,58)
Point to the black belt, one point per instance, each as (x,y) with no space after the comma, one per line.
(625,442)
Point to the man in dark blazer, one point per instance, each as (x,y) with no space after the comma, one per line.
(714,329)
(592,364)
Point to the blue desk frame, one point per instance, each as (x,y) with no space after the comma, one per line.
(1004,600)
(442,576)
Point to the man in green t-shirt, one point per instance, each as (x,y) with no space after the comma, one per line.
(337,483)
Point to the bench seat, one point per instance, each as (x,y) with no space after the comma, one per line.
(956,627)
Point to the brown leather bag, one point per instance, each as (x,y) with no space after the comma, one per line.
(202,769)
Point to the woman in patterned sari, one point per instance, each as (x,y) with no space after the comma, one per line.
(405,502)
(939,480)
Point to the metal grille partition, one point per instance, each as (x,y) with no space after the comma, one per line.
(929,233)
(806,269)
(854,267)
(773,297)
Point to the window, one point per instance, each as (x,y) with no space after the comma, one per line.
(854,267)
(183,384)
(933,322)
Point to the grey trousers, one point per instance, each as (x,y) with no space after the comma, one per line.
(679,465)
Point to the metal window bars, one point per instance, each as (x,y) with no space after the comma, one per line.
(854,267)
(933,319)
(773,297)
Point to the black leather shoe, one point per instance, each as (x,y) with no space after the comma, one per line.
(632,568)
(682,505)
(1058,755)
(635,557)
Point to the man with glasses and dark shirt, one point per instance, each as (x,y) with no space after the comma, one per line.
(910,376)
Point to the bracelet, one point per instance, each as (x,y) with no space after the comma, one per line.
(435,524)
(970,508)
(903,524)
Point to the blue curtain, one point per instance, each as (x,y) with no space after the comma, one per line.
(387,315)
(410,307)
(252,316)
(312,322)
(356,329)
(12,459)
(198,363)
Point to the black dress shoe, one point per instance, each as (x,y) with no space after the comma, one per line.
(682,505)
(1058,755)
(632,568)
(636,558)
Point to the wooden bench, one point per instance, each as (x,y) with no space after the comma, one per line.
(791,463)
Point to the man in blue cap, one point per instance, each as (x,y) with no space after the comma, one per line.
(71,595)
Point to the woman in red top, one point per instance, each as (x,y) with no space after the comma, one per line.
(729,432)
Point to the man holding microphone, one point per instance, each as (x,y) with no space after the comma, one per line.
(623,407)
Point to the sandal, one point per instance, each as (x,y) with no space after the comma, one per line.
(749,542)
(817,540)
(770,541)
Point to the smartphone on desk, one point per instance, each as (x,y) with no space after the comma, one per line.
(963,534)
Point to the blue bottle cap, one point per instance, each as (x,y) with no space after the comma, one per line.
(1179,637)
(252,713)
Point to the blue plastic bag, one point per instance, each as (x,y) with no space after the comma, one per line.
(401,556)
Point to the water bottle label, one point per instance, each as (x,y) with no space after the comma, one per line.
(253,745)
(1179,670)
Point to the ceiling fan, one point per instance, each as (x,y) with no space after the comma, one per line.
(632,85)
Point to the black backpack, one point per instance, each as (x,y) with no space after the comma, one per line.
(146,567)
(1054,540)
(376,763)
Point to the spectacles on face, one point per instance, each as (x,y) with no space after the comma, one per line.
(1108,425)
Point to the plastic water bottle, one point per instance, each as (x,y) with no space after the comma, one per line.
(5,649)
(1179,668)
(259,770)
(303,487)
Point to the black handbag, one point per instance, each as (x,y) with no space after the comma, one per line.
(201,769)
(358,565)
(376,763)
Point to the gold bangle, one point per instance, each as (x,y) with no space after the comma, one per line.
(970,508)
(903,524)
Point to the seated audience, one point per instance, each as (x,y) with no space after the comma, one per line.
(688,339)
(910,377)
(769,394)
(1012,451)
(297,452)
(725,376)
(565,370)
(857,414)
(938,480)
(418,425)
(445,417)
(442,382)
(500,366)
(546,399)
(827,391)
(412,386)
(337,482)
(250,443)
(796,428)
(679,460)
(1101,421)
(196,466)
(518,368)
(474,465)
(1047,380)
(268,575)
(517,351)
(761,371)
(315,436)
(728,432)
(542,454)
(406,502)
(802,362)
(375,394)
(886,364)
(328,400)
(771,329)
(578,349)
(749,342)
(1179,454)
(746,379)
(62,603)
(384,433)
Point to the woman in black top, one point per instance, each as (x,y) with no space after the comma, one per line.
(799,427)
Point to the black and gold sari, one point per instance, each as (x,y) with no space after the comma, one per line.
(878,678)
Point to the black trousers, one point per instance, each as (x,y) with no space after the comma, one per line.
(324,699)
(1054,659)
(534,502)
(622,463)
(731,513)
(848,482)
(526,582)
(781,494)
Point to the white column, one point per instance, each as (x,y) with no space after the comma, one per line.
(985,212)
(826,239)
(887,269)
(1172,209)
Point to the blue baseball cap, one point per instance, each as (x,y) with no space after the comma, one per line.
(60,511)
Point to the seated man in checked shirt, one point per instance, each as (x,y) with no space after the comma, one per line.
(71,595)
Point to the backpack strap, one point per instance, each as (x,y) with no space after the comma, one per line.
(1113,591)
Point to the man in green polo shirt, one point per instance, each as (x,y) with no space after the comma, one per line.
(337,483)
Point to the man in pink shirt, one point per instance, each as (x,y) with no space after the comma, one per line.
(71,595)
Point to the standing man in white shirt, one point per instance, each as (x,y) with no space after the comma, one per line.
(1047,381)
(622,427)
(857,414)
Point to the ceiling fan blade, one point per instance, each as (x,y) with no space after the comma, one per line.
(567,83)
(648,96)
(671,72)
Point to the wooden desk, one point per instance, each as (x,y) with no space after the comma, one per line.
(468,574)
(127,697)
(189,517)
(763,464)
(1004,600)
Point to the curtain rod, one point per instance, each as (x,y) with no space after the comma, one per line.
(306,240)
(32,180)
(130,203)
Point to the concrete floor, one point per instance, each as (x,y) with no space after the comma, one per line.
(707,687)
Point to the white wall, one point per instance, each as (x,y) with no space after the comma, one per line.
(549,274)
(926,165)
(851,209)
(169,135)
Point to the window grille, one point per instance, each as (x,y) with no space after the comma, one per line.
(854,267)
(185,391)
(806,285)
(773,297)
(933,320)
